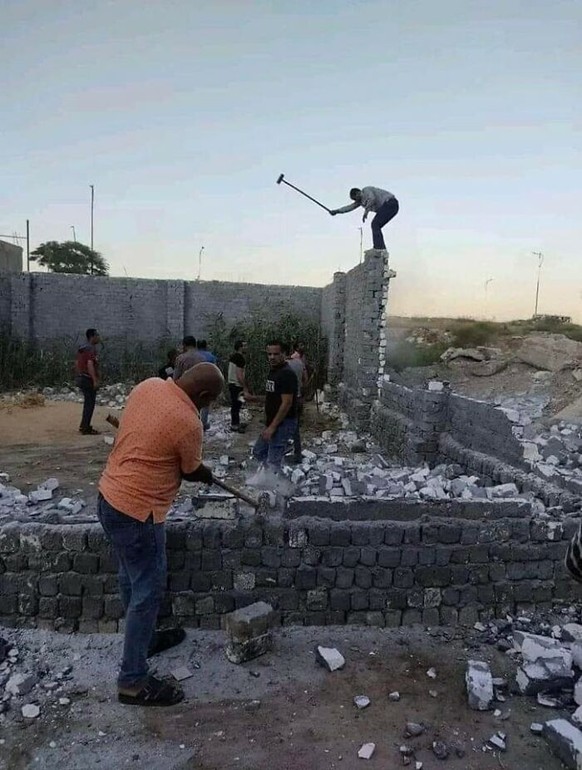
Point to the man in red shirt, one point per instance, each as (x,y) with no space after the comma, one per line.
(87,379)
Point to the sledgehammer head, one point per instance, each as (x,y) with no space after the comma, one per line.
(280,179)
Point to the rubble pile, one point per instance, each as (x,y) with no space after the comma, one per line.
(555,454)
(344,464)
(29,688)
(114,396)
(42,504)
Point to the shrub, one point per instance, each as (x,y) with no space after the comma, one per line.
(406,354)
(475,333)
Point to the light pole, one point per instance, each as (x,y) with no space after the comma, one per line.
(540,257)
(74,234)
(487,282)
(200,262)
(92,208)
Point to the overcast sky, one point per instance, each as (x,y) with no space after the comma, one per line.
(183,114)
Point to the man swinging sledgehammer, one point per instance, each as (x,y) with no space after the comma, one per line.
(381,202)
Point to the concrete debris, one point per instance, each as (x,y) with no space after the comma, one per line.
(394,696)
(552,352)
(329,657)
(361,701)
(441,750)
(249,632)
(20,684)
(431,673)
(479,683)
(565,740)
(413,730)
(367,750)
(572,632)
(536,728)
(30,711)
(181,673)
(497,741)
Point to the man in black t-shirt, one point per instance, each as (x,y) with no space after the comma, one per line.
(280,408)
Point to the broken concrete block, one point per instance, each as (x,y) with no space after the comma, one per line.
(436,386)
(536,728)
(413,730)
(30,711)
(40,495)
(565,740)
(20,684)
(361,701)
(367,750)
(479,682)
(578,692)
(51,484)
(394,696)
(249,631)
(572,632)
(533,678)
(329,657)
(109,440)
(441,750)
(498,742)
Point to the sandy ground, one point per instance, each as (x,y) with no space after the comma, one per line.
(305,718)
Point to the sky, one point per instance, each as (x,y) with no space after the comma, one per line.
(182,115)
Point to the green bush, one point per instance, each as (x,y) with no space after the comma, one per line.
(475,333)
(406,354)
(256,332)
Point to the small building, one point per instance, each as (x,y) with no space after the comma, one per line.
(10,258)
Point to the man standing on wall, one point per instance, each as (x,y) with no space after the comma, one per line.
(382,202)
(159,443)
(280,408)
(87,379)
(188,358)
(237,383)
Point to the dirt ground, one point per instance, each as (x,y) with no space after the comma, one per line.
(305,718)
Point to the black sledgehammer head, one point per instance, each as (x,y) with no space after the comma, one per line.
(280,178)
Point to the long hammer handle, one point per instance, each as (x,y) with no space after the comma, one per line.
(236,492)
(306,195)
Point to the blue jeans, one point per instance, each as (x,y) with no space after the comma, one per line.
(140,547)
(385,213)
(273,451)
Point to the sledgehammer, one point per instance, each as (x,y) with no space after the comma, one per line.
(282,179)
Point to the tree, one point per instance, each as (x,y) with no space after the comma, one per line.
(70,257)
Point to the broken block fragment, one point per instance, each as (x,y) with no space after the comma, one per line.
(249,632)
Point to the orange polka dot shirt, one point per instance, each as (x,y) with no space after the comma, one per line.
(160,437)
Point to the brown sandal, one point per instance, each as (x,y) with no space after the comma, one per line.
(155,692)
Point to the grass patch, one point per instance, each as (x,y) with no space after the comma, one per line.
(471,334)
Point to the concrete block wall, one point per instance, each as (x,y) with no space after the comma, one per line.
(354,321)
(47,306)
(409,423)
(426,569)
(333,322)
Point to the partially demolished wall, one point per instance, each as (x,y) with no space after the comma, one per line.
(409,563)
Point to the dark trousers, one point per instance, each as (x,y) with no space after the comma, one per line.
(140,547)
(89,395)
(297,435)
(385,213)
(235,391)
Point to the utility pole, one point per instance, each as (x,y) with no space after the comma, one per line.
(200,262)
(28,245)
(540,257)
(74,233)
(92,208)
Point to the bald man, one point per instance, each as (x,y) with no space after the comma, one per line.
(159,443)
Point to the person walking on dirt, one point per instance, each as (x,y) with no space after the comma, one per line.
(382,202)
(280,408)
(159,443)
(87,379)
(237,384)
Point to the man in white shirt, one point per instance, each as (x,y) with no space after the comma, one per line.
(381,202)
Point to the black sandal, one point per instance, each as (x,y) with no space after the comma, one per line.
(155,692)
(164,639)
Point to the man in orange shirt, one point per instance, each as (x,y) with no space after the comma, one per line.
(159,443)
